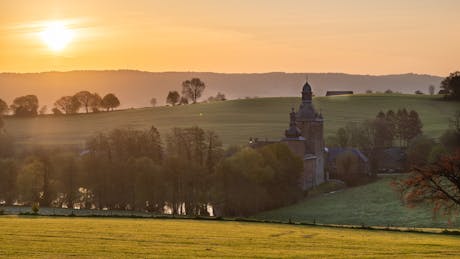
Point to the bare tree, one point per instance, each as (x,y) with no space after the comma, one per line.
(193,89)
(85,98)
(68,104)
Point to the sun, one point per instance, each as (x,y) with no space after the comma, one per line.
(56,35)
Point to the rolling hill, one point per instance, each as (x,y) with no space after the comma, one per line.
(136,88)
(234,121)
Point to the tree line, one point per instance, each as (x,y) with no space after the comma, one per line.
(188,173)
(28,105)
(90,102)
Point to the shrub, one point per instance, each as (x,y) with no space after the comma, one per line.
(35,208)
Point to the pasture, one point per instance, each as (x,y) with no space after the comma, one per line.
(374,204)
(234,121)
(41,237)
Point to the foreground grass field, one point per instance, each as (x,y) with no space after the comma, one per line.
(235,121)
(375,204)
(142,238)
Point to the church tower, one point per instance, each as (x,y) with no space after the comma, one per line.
(310,123)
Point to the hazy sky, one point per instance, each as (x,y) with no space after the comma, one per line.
(363,37)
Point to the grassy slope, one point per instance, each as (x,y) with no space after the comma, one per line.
(142,238)
(375,204)
(235,121)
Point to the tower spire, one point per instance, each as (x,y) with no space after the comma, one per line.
(292,131)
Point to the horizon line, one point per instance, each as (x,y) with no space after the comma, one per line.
(211,72)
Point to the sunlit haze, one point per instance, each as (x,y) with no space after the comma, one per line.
(56,36)
(361,37)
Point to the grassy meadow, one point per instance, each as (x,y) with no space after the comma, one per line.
(235,121)
(29,237)
(375,204)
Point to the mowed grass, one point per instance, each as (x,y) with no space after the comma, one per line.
(235,121)
(375,204)
(29,237)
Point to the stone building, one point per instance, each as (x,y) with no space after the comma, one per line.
(305,138)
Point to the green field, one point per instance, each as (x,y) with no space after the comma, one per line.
(375,204)
(235,121)
(29,237)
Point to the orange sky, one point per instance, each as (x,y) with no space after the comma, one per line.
(361,36)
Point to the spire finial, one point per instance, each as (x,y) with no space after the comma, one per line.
(306,78)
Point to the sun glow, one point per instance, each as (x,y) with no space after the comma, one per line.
(56,35)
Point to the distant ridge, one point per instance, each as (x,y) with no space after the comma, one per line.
(136,88)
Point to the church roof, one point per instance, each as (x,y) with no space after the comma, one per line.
(292,131)
(306,87)
(306,111)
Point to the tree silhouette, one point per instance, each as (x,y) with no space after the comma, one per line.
(85,98)
(110,101)
(452,85)
(96,102)
(193,89)
(25,106)
(172,98)
(68,104)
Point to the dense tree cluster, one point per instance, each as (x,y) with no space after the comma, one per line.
(387,129)
(255,180)
(451,85)
(134,170)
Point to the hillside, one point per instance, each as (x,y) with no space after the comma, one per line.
(27,237)
(234,121)
(136,88)
(375,204)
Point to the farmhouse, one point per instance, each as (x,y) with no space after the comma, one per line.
(332,93)
(305,138)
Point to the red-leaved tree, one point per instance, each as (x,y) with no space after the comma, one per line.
(437,184)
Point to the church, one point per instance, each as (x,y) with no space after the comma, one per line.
(305,138)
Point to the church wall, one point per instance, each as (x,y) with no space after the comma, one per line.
(320,173)
(309,179)
(296,146)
